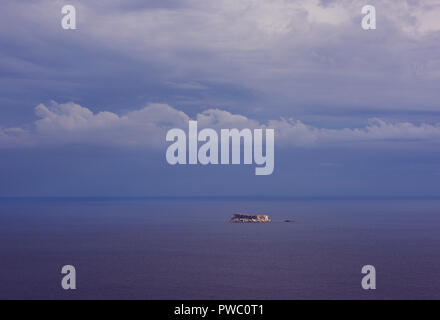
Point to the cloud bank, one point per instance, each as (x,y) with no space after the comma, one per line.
(298,56)
(70,123)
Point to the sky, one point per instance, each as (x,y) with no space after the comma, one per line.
(85,112)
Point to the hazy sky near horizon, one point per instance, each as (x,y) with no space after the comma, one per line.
(85,112)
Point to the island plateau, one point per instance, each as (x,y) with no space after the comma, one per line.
(242,217)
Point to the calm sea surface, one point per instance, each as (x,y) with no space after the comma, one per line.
(186,249)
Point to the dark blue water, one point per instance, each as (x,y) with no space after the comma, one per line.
(186,249)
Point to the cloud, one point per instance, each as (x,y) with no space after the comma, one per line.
(295,132)
(416,18)
(293,55)
(14,137)
(70,123)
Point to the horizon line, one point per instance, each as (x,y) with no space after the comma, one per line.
(227,197)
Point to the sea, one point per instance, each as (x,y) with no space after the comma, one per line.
(186,248)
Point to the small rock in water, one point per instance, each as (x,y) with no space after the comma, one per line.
(242,217)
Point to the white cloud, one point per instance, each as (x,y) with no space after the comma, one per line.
(71,117)
(295,132)
(70,123)
(218,119)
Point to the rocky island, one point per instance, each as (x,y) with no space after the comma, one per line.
(242,217)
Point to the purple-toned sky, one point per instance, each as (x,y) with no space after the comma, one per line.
(85,112)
